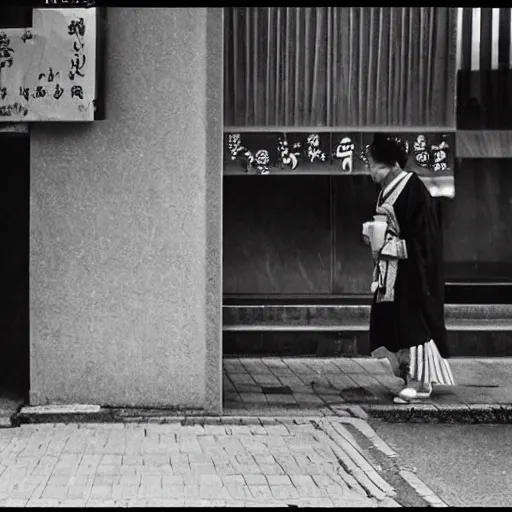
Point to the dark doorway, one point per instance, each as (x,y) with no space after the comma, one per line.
(16,16)
(14,315)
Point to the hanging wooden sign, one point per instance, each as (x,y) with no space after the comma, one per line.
(48,72)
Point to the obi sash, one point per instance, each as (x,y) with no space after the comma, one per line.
(394,248)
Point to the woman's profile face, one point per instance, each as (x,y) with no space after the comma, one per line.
(378,171)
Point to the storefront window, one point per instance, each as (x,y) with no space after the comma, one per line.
(476,223)
(374,68)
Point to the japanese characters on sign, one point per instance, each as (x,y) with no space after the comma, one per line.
(48,72)
(430,155)
(6,52)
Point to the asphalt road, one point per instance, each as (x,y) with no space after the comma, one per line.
(465,465)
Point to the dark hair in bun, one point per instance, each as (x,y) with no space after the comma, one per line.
(388,150)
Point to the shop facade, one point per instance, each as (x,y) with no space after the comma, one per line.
(296,273)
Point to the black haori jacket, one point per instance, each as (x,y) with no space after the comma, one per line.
(416,314)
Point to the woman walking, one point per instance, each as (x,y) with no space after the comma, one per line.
(407,317)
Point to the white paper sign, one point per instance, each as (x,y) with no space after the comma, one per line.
(48,72)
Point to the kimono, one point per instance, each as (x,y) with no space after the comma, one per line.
(407,316)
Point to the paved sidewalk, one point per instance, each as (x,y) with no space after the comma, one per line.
(318,387)
(264,463)
(252,386)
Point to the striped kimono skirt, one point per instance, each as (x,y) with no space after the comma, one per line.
(420,366)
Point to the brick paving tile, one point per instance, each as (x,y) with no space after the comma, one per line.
(210,492)
(198,468)
(274,362)
(255,398)
(227,470)
(276,480)
(293,382)
(123,491)
(283,400)
(284,492)
(238,430)
(78,492)
(101,492)
(292,469)
(264,459)
(173,492)
(308,400)
(239,492)
(21,493)
(267,380)
(45,503)
(242,378)
(268,463)
(302,481)
(256,479)
(247,469)
(271,469)
(13,502)
(100,503)
(55,492)
(168,480)
(260,491)
(210,480)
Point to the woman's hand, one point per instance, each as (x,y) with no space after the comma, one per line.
(366,239)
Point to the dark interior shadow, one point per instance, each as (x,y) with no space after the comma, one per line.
(14,315)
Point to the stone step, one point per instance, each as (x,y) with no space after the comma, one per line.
(353,318)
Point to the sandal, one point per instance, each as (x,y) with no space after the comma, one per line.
(426,393)
(408,395)
(405,396)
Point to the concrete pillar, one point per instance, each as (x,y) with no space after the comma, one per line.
(126,220)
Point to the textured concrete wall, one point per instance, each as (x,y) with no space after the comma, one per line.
(126,225)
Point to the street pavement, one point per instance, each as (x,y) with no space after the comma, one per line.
(294,432)
(330,386)
(465,465)
(291,462)
(483,390)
